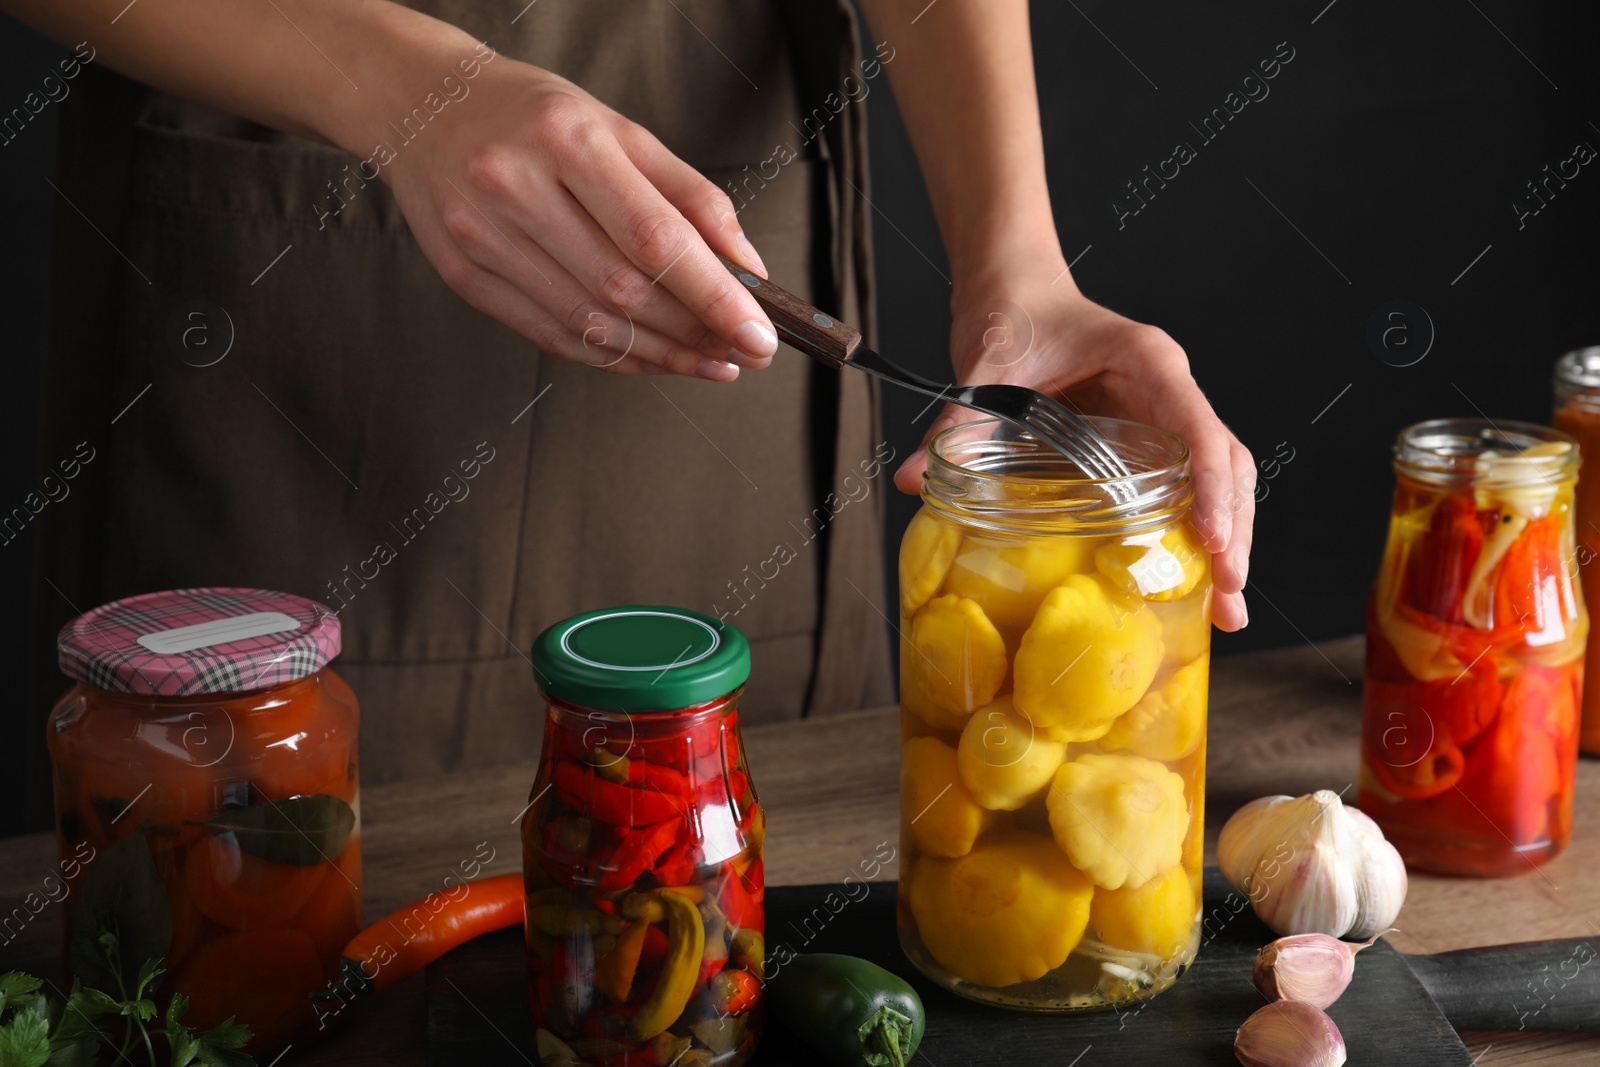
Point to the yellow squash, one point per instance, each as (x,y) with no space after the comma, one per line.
(958,657)
(945,821)
(1004,762)
(1121,819)
(1088,657)
(1168,723)
(925,555)
(1156,918)
(1009,911)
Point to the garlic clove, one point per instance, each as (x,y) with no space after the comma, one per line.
(1289,1033)
(1311,865)
(1381,891)
(1313,968)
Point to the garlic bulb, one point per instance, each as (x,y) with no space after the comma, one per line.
(1310,865)
(1313,968)
(1289,1034)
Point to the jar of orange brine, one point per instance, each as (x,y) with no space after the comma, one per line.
(642,845)
(1577,411)
(1055,646)
(206,797)
(1475,640)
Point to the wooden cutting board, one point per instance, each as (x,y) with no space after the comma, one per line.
(477,999)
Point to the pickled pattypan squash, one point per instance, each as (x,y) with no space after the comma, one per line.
(1009,911)
(1157,918)
(958,657)
(945,819)
(925,555)
(1168,722)
(1088,657)
(914,696)
(1159,565)
(1120,819)
(1185,628)
(1010,581)
(1004,762)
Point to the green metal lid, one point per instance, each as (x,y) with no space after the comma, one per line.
(640,658)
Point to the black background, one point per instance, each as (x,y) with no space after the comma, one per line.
(1384,161)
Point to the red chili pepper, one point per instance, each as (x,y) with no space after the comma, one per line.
(1442,560)
(1533,592)
(1437,770)
(610,802)
(405,941)
(637,853)
(733,897)
(1463,707)
(712,792)
(658,776)
(677,864)
(1514,774)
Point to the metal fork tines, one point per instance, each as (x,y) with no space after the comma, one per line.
(1034,412)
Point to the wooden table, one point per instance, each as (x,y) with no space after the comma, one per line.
(1281,722)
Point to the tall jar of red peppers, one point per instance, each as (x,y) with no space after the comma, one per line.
(1577,411)
(642,845)
(1475,643)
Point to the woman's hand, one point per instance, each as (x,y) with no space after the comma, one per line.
(1024,330)
(575,227)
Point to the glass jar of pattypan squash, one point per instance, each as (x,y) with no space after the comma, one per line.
(1055,645)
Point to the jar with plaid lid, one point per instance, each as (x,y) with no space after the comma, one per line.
(207,803)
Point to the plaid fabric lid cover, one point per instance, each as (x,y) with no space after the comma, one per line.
(186,642)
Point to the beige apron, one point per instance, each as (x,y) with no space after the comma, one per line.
(372,441)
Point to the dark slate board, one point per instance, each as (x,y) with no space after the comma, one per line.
(477,1001)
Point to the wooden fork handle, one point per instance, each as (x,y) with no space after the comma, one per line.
(807,328)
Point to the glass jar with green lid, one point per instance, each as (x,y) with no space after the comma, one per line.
(642,843)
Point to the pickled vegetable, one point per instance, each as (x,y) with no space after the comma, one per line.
(1088,657)
(947,821)
(961,656)
(1009,911)
(643,873)
(1004,761)
(261,886)
(1168,723)
(1476,635)
(1120,818)
(1053,695)
(1010,581)
(1157,918)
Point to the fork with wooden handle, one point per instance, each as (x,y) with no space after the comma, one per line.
(838,344)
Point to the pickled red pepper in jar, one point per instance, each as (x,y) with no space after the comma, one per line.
(642,845)
(206,781)
(1475,640)
(1577,411)
(1054,656)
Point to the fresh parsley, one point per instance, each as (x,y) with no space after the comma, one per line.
(93,1027)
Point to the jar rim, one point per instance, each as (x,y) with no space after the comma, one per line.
(1452,451)
(1579,368)
(974,468)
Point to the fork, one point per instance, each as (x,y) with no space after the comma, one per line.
(837,344)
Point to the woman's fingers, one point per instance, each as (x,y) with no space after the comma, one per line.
(702,203)
(582,332)
(1228,612)
(666,251)
(604,334)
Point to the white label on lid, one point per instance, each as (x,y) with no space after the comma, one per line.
(218,632)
